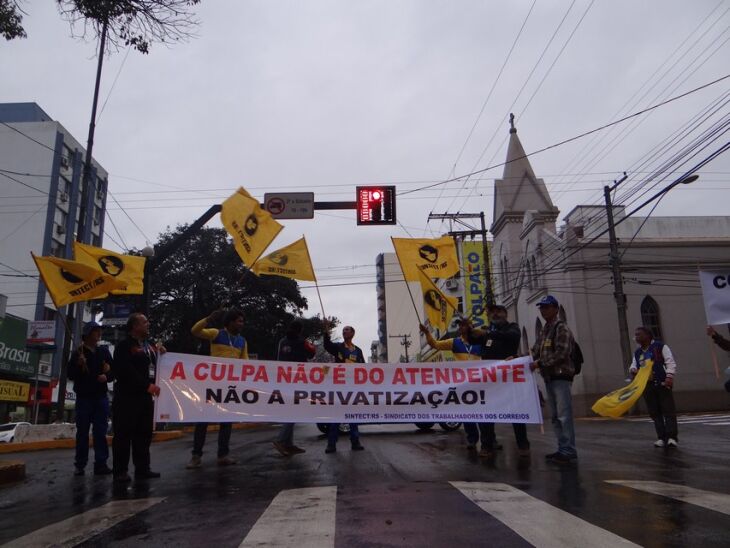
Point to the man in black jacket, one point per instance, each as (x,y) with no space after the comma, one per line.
(292,348)
(499,341)
(89,368)
(135,359)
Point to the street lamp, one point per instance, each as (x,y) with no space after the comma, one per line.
(615,258)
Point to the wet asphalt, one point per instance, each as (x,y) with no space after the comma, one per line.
(397,491)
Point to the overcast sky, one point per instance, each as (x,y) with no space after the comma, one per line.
(326,95)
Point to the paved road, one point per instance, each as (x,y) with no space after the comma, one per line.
(406,489)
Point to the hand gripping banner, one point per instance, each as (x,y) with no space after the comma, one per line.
(208,389)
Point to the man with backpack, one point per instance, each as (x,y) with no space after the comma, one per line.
(552,356)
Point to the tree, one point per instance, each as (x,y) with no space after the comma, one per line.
(135,23)
(206,274)
(11,20)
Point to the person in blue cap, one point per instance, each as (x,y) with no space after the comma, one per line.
(90,369)
(551,355)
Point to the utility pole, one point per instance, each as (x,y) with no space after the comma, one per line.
(406,342)
(618,285)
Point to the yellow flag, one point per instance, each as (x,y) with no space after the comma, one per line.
(436,257)
(251,227)
(292,261)
(620,401)
(125,268)
(70,282)
(439,308)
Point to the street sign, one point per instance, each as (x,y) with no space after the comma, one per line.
(290,205)
(41,332)
(375,205)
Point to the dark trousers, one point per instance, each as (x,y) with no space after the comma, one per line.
(224,438)
(333,432)
(91,411)
(660,402)
(132,429)
(485,430)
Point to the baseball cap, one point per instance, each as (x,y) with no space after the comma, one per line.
(548,300)
(89,327)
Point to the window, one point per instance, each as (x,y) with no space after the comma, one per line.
(57,249)
(650,316)
(538,328)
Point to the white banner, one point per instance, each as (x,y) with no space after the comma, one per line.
(716,293)
(208,389)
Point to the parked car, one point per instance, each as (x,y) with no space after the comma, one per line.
(345,428)
(7,431)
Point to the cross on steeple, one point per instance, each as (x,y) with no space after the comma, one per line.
(512,128)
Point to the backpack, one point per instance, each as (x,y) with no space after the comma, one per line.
(576,357)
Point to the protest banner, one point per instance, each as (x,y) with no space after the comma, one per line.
(207,389)
(716,295)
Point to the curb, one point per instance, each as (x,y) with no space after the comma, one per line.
(11,471)
(71,443)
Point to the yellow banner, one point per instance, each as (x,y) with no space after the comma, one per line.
(292,261)
(14,391)
(620,401)
(436,257)
(251,227)
(70,282)
(474,274)
(438,307)
(125,268)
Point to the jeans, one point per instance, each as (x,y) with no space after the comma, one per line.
(333,432)
(132,418)
(224,438)
(486,430)
(561,405)
(91,411)
(660,402)
(286,434)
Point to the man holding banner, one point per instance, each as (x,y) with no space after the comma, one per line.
(658,392)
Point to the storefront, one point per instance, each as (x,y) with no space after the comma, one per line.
(17,369)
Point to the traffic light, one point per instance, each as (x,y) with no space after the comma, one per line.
(376,205)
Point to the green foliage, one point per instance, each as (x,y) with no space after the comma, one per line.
(206,274)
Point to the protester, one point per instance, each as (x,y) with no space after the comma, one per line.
(224,343)
(133,368)
(499,341)
(658,392)
(292,348)
(463,350)
(723,343)
(551,355)
(344,352)
(90,369)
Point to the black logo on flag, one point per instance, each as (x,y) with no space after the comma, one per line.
(70,278)
(428,253)
(111,265)
(626,393)
(433,299)
(252,225)
(279,258)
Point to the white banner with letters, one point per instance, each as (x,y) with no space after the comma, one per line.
(209,389)
(716,294)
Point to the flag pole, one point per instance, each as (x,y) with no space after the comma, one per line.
(408,287)
(314,275)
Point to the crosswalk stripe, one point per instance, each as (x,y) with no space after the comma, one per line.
(706,499)
(82,527)
(297,517)
(538,522)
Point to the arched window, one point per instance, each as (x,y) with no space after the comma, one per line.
(525,342)
(650,316)
(538,328)
(562,315)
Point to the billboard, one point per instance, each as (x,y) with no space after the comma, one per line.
(15,358)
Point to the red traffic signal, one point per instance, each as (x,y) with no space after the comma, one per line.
(376,205)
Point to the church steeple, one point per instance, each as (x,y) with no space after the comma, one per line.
(519,190)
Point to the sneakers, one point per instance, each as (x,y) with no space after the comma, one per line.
(660,443)
(79,471)
(195,462)
(281,448)
(552,456)
(671,442)
(486,453)
(101,470)
(561,458)
(294,450)
(146,474)
(226,461)
(357,446)
(330,449)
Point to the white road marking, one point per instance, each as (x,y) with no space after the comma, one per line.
(719,502)
(82,527)
(538,522)
(299,518)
